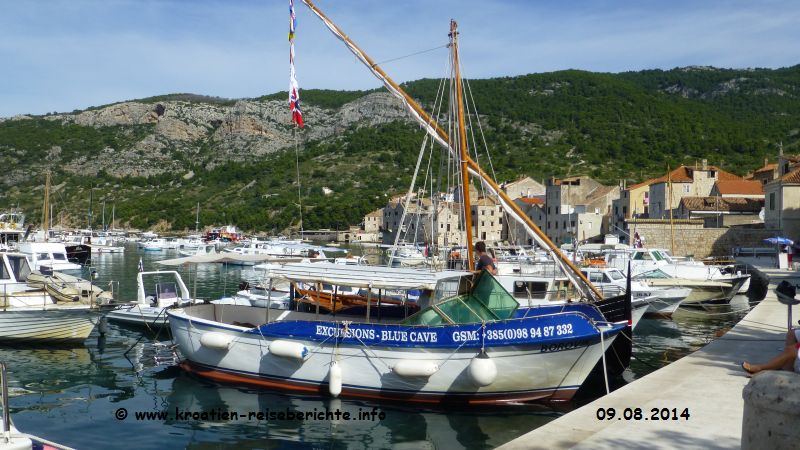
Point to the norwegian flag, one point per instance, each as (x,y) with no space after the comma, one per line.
(294,90)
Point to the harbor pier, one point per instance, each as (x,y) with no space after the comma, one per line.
(707,384)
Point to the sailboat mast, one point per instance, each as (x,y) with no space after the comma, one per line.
(439,135)
(462,143)
(197,219)
(46,206)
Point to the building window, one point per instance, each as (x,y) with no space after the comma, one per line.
(625,211)
(686,188)
(772,201)
(556,224)
(572,224)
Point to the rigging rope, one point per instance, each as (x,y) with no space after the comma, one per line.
(410,55)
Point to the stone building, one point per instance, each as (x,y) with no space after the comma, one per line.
(633,201)
(524,187)
(373,222)
(782,203)
(578,208)
(697,181)
(487,220)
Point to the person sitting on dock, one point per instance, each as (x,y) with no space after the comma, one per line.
(786,360)
(484,260)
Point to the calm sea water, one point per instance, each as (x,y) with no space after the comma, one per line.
(74,396)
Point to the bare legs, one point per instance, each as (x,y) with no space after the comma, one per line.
(784,360)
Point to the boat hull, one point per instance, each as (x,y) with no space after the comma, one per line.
(53,325)
(138,315)
(525,372)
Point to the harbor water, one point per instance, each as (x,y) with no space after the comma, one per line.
(124,390)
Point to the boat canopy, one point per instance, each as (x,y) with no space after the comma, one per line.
(376,277)
(222,258)
(485,301)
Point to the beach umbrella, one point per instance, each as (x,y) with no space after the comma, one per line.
(779,241)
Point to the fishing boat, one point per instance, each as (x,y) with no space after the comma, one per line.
(470,342)
(32,316)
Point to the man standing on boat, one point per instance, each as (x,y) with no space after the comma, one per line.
(484,260)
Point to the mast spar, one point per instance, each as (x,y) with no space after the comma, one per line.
(440,136)
(462,143)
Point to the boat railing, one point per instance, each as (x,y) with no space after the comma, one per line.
(6,412)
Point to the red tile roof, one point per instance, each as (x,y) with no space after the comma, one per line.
(532,200)
(767,168)
(792,177)
(684,174)
(739,187)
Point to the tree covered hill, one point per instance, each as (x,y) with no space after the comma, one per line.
(155,158)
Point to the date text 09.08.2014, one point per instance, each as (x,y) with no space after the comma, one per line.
(642,414)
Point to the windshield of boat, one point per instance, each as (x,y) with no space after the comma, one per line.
(616,274)
(19,267)
(479,298)
(651,274)
(59,256)
(660,255)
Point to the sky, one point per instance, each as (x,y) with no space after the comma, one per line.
(63,55)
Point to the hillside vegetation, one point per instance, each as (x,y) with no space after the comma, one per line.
(155,158)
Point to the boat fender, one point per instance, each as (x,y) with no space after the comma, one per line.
(482,370)
(288,349)
(335,379)
(215,340)
(415,368)
(102,326)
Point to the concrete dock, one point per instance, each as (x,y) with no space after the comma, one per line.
(708,382)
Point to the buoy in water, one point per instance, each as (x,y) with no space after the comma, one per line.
(415,368)
(215,340)
(335,379)
(482,370)
(288,349)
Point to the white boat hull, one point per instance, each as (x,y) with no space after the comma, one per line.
(55,324)
(524,372)
(139,315)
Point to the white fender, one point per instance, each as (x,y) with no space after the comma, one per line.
(335,379)
(415,368)
(482,370)
(216,340)
(288,349)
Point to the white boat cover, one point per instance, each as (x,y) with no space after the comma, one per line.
(224,258)
(378,277)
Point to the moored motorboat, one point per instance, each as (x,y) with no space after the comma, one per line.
(156,291)
(31,316)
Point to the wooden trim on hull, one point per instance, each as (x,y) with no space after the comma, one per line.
(215,374)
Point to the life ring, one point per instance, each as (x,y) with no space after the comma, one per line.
(2,225)
(13,226)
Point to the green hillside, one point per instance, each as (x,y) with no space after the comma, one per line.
(609,126)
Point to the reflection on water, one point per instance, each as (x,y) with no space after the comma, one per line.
(72,395)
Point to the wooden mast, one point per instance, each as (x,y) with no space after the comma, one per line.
(443,137)
(462,144)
